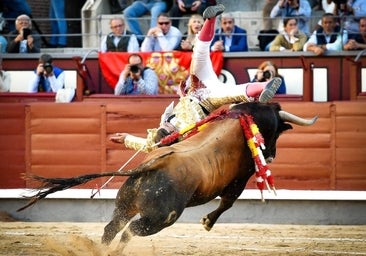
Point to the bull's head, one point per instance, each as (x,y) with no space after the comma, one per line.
(272,122)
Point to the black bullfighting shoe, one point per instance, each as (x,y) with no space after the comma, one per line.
(270,90)
(213,11)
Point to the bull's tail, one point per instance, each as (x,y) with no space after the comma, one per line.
(52,185)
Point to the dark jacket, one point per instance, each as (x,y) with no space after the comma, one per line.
(320,37)
(13,47)
(122,44)
(239,41)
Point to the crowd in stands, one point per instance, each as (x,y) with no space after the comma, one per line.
(342,27)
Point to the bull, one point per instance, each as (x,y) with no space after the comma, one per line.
(216,162)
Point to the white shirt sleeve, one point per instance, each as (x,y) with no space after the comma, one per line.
(57,83)
(133,44)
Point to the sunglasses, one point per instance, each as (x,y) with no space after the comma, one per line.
(117,26)
(164,23)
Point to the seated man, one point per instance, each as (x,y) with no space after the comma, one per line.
(120,39)
(164,37)
(136,79)
(47,78)
(205,92)
(327,38)
(357,41)
(23,39)
(229,38)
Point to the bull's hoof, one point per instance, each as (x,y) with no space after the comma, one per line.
(205,221)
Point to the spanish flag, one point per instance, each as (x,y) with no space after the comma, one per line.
(171,67)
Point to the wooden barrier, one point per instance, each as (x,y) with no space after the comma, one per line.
(63,140)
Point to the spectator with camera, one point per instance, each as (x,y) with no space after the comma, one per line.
(136,79)
(47,78)
(229,37)
(268,70)
(23,39)
(183,7)
(164,37)
(120,39)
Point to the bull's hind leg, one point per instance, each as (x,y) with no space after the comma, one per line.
(124,211)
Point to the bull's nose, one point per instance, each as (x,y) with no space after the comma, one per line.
(269,159)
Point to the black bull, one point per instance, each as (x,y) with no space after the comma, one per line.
(216,162)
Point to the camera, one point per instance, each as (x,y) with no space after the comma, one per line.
(134,69)
(267,74)
(188,6)
(48,67)
(26,32)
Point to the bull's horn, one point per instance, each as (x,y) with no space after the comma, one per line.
(285,116)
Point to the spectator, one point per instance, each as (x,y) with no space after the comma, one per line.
(327,38)
(12,9)
(357,41)
(267,70)
(47,78)
(328,6)
(183,7)
(353,10)
(3,41)
(194,26)
(294,8)
(5,79)
(291,39)
(58,24)
(163,37)
(141,7)
(23,39)
(136,79)
(120,39)
(266,12)
(229,38)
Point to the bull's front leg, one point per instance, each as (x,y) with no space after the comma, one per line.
(210,219)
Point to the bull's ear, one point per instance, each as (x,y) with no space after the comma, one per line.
(285,127)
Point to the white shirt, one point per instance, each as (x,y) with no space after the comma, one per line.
(164,43)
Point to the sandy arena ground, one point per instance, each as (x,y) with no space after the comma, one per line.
(79,239)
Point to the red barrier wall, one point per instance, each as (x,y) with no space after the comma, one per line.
(63,140)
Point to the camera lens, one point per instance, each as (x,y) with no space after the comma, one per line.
(48,68)
(267,74)
(134,69)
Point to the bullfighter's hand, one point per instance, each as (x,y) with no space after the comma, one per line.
(118,138)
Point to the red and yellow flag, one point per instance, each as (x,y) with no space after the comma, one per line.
(171,67)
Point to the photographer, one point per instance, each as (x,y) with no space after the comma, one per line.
(23,39)
(136,79)
(47,78)
(267,70)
